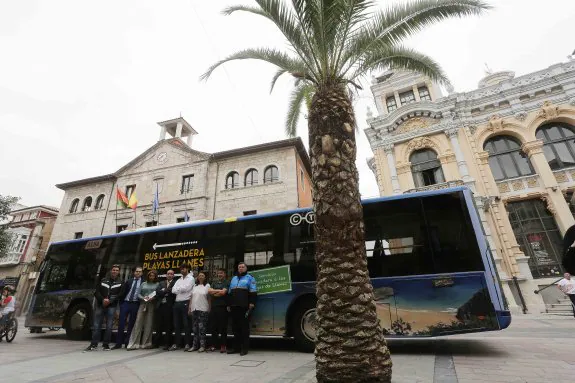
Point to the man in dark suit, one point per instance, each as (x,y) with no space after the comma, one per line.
(129,304)
(164,316)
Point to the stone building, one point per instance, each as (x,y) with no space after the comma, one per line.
(511,141)
(191,185)
(31,229)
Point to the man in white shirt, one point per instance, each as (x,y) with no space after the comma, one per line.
(183,291)
(567,286)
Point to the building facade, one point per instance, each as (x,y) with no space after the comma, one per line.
(30,229)
(191,185)
(511,141)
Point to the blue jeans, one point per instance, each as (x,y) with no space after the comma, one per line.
(128,312)
(99,314)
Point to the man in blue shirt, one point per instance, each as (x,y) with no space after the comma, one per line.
(129,305)
(241,302)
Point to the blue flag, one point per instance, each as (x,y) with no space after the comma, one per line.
(156,202)
(186,217)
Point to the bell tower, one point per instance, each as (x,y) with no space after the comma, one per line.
(177,128)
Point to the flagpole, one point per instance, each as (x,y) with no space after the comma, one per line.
(116,228)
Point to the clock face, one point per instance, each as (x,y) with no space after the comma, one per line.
(162,157)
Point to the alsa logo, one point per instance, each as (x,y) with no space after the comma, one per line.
(296,219)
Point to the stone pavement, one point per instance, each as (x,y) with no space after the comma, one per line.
(534,349)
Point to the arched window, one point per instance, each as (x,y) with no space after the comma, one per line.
(87,206)
(558,144)
(271,174)
(74,205)
(506,159)
(426,168)
(251,177)
(232,180)
(99,202)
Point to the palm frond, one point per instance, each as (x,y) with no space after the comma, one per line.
(300,94)
(278,74)
(280,59)
(399,21)
(386,57)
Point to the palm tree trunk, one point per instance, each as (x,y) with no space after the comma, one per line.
(350,346)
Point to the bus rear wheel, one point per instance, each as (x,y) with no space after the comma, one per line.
(304,325)
(78,321)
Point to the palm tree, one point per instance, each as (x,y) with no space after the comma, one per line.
(334,44)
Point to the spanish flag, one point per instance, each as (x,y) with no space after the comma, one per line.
(133,202)
(122,200)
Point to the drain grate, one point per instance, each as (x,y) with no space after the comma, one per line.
(248,363)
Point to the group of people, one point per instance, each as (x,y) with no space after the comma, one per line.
(165,308)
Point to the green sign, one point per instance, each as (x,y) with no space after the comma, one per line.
(273,280)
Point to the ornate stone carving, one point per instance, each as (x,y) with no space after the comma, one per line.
(550,206)
(416,123)
(532,182)
(521,116)
(561,177)
(517,185)
(420,143)
(572,174)
(503,187)
(548,110)
(451,132)
(447,157)
(572,101)
(403,168)
(472,129)
(495,123)
(483,158)
(388,148)
(532,147)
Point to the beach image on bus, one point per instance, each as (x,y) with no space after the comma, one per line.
(429,263)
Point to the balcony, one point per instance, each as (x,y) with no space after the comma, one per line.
(519,185)
(12,258)
(443,185)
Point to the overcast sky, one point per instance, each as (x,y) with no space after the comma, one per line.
(82,84)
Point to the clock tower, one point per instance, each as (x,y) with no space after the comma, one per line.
(177,128)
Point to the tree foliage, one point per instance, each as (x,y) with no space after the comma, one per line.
(6,203)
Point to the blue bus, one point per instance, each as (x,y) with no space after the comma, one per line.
(429,263)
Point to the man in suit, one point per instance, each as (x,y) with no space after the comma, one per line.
(164,315)
(129,305)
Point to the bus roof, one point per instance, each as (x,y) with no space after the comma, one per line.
(204,222)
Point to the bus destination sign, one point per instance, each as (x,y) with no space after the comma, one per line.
(173,255)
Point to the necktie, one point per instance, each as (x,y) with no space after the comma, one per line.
(133,290)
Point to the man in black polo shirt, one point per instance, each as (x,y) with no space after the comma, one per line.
(219,313)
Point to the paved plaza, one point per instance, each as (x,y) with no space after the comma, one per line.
(534,349)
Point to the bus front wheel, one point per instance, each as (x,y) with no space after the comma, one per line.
(304,325)
(78,321)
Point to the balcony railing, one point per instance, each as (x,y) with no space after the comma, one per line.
(442,185)
(10,258)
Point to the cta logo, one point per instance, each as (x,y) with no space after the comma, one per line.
(297,218)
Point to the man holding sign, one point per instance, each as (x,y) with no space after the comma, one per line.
(241,302)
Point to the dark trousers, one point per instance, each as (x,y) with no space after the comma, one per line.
(164,323)
(128,312)
(181,322)
(572,297)
(219,325)
(241,328)
(99,314)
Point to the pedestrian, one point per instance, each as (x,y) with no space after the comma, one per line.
(7,305)
(183,291)
(568,260)
(567,286)
(129,304)
(200,310)
(241,302)
(218,313)
(142,333)
(164,317)
(107,293)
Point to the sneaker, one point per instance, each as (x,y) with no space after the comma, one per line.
(105,347)
(202,349)
(91,348)
(222,349)
(173,348)
(117,347)
(187,348)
